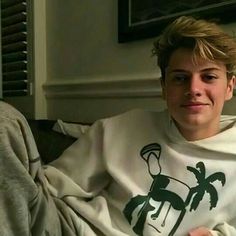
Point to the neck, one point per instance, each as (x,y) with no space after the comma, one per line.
(194,134)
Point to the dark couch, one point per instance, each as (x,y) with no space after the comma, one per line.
(50,143)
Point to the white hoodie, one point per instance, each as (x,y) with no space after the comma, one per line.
(135,174)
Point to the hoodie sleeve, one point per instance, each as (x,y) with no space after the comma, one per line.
(80,170)
(223,229)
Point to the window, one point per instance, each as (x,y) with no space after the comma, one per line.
(16,48)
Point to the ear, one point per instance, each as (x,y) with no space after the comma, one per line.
(230,88)
(163,88)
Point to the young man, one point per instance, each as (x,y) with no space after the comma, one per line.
(147,173)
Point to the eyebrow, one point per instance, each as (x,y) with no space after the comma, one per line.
(186,71)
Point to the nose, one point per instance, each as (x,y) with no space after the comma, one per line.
(194,86)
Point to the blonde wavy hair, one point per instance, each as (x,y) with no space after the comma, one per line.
(205,38)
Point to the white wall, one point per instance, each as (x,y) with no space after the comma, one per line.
(90,75)
(82,41)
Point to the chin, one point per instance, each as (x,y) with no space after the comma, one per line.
(191,121)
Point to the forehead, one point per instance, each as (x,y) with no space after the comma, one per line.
(182,59)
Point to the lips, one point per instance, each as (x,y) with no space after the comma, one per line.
(190,104)
(194,107)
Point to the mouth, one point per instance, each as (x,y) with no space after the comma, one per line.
(194,106)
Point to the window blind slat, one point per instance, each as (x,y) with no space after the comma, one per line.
(8,3)
(19,27)
(17,56)
(20,17)
(16,85)
(14,66)
(15,93)
(14,75)
(14,47)
(21,36)
(14,9)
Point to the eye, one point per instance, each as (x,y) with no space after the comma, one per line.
(209,78)
(179,79)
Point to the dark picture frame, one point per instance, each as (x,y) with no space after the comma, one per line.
(138,19)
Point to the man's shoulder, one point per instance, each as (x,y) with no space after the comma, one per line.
(135,112)
(136,116)
(227,121)
(8,112)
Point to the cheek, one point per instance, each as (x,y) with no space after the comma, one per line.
(173,95)
(217,95)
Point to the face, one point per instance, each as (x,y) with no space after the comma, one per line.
(195,92)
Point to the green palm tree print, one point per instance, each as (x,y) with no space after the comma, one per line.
(151,206)
(204,185)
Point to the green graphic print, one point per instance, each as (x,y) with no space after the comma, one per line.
(141,210)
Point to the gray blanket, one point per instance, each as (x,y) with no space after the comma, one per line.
(26,207)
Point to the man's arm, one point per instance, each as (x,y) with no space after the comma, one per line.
(222,229)
(201,231)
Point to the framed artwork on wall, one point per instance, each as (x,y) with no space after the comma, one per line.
(138,19)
